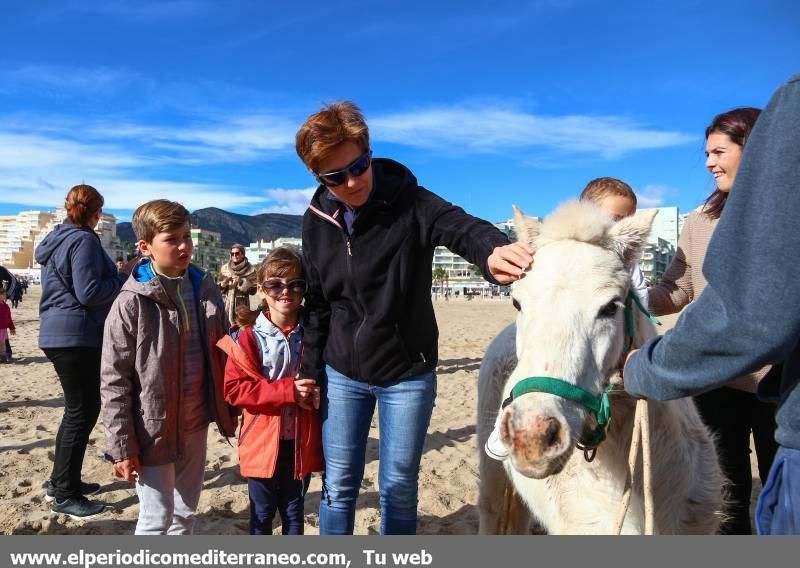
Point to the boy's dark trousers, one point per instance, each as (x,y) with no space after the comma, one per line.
(281,492)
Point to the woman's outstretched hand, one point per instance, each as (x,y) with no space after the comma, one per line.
(508,263)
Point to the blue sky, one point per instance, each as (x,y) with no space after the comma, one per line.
(488,102)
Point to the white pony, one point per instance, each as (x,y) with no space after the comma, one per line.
(571,329)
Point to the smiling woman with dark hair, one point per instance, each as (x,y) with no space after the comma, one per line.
(732,412)
(371,336)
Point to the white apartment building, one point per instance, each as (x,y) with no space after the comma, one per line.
(507,227)
(454,265)
(17,237)
(662,242)
(656,258)
(665,225)
(259,250)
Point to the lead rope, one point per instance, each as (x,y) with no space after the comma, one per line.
(641,436)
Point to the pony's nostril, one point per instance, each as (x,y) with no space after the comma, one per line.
(505,428)
(552,433)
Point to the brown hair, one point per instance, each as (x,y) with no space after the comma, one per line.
(280,262)
(82,204)
(602,187)
(158,216)
(737,123)
(323,131)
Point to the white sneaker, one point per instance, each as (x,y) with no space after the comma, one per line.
(494,448)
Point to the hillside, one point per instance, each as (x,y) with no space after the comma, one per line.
(234,227)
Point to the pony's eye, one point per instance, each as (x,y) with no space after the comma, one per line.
(609,310)
(516,305)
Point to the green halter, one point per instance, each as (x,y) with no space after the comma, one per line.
(599,405)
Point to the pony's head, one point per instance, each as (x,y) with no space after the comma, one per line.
(570,326)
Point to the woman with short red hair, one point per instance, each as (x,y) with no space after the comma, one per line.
(79,283)
(371,336)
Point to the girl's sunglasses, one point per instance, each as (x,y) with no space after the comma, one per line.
(275,287)
(355,169)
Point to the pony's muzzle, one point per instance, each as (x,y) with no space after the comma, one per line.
(537,442)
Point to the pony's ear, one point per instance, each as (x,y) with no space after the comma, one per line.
(630,234)
(527,229)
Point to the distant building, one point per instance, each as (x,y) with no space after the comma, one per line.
(259,250)
(454,265)
(665,225)
(18,234)
(209,254)
(507,227)
(656,258)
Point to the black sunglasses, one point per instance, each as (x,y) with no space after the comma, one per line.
(274,287)
(355,169)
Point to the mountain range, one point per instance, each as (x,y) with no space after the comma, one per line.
(234,227)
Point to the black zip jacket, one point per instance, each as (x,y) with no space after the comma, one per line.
(369,308)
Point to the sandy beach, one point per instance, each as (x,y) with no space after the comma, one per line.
(31,409)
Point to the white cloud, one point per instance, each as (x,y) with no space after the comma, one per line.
(288,201)
(488,129)
(653,195)
(130,161)
(128,193)
(26,152)
(62,81)
(37,170)
(235,140)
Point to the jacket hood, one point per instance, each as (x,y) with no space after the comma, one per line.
(145,282)
(264,326)
(390,179)
(63,234)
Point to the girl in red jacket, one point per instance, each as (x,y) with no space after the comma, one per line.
(279,439)
(6,326)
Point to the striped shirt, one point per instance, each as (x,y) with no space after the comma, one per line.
(195,397)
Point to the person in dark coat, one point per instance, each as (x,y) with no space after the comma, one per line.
(79,283)
(371,335)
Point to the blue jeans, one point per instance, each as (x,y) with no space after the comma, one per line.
(778,510)
(404,413)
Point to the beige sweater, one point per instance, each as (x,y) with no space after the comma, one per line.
(683,282)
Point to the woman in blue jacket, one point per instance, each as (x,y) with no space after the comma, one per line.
(79,283)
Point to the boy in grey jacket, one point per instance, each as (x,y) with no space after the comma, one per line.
(162,377)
